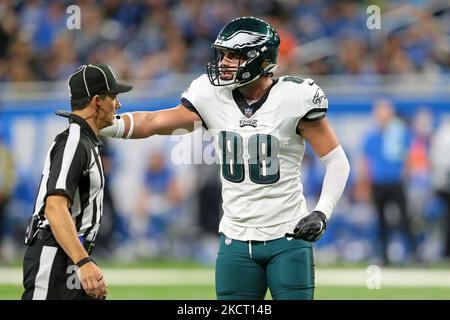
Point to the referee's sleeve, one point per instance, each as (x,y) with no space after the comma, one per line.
(68,161)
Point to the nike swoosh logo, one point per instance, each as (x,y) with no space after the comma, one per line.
(311,82)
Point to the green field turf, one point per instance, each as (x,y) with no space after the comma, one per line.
(206,292)
(202,278)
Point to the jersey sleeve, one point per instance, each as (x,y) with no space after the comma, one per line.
(194,97)
(69,159)
(314,100)
(190,98)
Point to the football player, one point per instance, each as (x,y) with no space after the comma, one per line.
(259,127)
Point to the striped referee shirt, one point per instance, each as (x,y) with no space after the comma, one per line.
(73,168)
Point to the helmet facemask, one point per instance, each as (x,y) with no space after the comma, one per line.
(251,66)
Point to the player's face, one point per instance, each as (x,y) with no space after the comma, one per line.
(229,65)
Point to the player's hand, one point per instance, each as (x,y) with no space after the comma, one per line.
(91,278)
(310,228)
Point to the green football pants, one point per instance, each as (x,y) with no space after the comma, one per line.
(245,269)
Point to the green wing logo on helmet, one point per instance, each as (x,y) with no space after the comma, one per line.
(243,39)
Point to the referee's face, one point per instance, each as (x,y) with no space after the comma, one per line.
(109,105)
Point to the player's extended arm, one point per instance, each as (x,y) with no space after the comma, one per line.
(326,146)
(143,124)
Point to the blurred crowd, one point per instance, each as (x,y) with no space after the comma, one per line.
(150,39)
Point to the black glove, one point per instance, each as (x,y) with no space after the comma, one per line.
(310,228)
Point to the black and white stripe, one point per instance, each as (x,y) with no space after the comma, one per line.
(48,273)
(73,168)
(42,280)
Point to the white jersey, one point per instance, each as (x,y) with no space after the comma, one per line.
(260,152)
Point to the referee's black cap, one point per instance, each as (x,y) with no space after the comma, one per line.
(92,79)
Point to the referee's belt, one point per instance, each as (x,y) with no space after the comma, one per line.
(88,245)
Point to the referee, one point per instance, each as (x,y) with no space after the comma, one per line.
(69,203)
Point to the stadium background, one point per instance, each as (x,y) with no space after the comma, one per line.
(163,215)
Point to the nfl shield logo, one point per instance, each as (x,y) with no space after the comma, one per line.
(248,112)
(228,241)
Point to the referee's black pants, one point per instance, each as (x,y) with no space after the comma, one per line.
(48,272)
